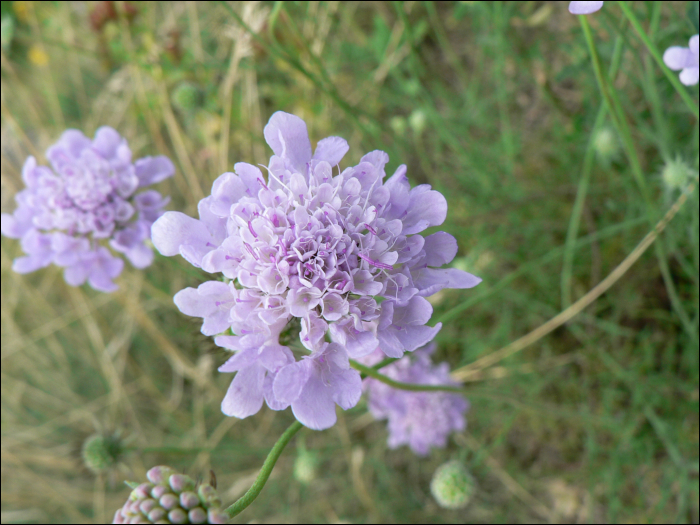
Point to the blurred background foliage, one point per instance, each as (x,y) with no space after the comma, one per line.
(494,104)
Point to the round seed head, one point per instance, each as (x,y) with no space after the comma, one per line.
(675,174)
(452,486)
(606,145)
(186,96)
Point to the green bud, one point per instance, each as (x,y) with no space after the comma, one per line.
(606,145)
(101,452)
(452,486)
(186,97)
(676,174)
(305,467)
(398,125)
(417,121)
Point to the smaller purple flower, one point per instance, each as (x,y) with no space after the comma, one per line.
(90,194)
(684,59)
(421,420)
(584,8)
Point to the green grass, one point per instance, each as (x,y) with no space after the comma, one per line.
(595,422)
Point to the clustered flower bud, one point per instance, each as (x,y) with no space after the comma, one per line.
(169,497)
(89,195)
(452,486)
(309,245)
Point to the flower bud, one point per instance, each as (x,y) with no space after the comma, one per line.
(170,497)
(417,121)
(305,467)
(606,145)
(452,486)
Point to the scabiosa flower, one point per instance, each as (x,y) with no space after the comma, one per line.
(91,193)
(309,245)
(169,497)
(420,420)
(584,8)
(684,59)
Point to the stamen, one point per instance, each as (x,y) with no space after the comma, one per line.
(250,227)
(250,250)
(372,230)
(262,183)
(375,263)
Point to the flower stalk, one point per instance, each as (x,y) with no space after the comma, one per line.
(244,501)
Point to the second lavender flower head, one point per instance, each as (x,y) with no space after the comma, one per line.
(89,195)
(310,245)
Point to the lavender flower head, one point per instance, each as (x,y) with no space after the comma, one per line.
(89,194)
(686,60)
(306,244)
(421,420)
(584,8)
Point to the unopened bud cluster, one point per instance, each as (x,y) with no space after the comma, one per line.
(169,497)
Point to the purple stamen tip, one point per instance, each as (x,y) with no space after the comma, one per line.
(250,250)
(262,183)
(250,227)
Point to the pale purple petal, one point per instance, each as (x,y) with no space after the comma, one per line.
(245,395)
(584,8)
(440,248)
(106,142)
(431,280)
(175,232)
(315,408)
(677,57)
(226,191)
(412,337)
(290,381)
(15,226)
(689,76)
(694,46)
(151,170)
(425,209)
(347,388)
(331,150)
(286,134)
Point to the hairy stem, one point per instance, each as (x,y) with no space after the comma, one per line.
(253,492)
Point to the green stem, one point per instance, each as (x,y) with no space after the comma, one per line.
(253,492)
(371,372)
(614,106)
(385,362)
(672,77)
